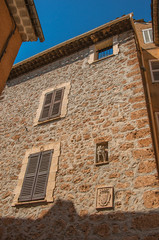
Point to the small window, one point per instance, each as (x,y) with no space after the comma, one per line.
(105,52)
(104,49)
(147,35)
(36,176)
(52,104)
(154,68)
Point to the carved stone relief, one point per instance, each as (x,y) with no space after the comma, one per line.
(101,153)
(104,197)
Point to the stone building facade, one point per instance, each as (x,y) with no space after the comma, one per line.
(90,194)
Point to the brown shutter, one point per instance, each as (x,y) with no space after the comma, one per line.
(57,103)
(42,175)
(46,106)
(30,177)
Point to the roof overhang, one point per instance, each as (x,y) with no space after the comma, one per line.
(73,45)
(26,19)
(155,20)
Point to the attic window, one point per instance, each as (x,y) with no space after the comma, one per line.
(147,35)
(105,52)
(104,49)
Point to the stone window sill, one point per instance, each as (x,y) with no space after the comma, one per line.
(101,163)
(29,203)
(48,120)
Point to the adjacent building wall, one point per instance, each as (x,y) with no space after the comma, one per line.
(8,51)
(149,52)
(106,103)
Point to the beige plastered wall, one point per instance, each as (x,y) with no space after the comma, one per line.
(6,27)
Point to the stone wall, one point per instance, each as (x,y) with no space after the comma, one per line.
(106,103)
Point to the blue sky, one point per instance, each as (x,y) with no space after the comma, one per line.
(65,19)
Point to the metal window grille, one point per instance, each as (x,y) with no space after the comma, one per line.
(147,35)
(105,52)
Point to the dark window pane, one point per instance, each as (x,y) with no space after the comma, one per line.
(156,76)
(155,65)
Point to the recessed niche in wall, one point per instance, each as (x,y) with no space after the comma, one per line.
(104,197)
(101,153)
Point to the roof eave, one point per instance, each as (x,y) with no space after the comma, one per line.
(35,19)
(73,45)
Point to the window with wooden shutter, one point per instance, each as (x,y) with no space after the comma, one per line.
(52,105)
(147,35)
(154,68)
(36,176)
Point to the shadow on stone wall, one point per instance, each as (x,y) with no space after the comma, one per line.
(62,222)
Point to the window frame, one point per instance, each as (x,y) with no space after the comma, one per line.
(143,33)
(33,196)
(112,41)
(151,70)
(50,116)
(55,147)
(63,109)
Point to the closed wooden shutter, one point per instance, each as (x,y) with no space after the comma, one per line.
(29,179)
(36,176)
(57,102)
(52,104)
(46,106)
(42,176)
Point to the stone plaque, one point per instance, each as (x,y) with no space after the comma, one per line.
(101,153)
(104,197)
